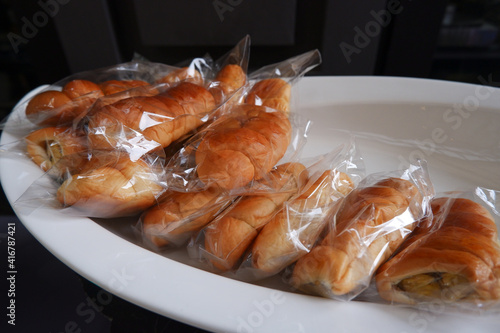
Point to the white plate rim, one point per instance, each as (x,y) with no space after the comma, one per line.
(199,298)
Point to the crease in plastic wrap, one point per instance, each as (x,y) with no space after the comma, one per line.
(372,221)
(100,184)
(137,101)
(141,108)
(260,235)
(235,154)
(451,261)
(247,138)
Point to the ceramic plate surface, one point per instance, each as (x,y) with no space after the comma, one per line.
(455,127)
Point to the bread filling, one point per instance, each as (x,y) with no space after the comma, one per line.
(445,286)
(54,151)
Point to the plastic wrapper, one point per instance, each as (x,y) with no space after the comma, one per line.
(371,223)
(59,103)
(139,107)
(247,138)
(289,231)
(172,109)
(272,85)
(189,204)
(223,241)
(452,258)
(100,184)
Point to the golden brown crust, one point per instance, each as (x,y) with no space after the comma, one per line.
(228,80)
(272,93)
(49,108)
(235,152)
(359,241)
(189,74)
(461,242)
(77,88)
(113,186)
(228,237)
(292,232)
(162,118)
(179,213)
(116,86)
(48,145)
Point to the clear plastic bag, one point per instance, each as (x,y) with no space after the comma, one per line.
(222,243)
(248,138)
(372,221)
(294,229)
(452,258)
(97,183)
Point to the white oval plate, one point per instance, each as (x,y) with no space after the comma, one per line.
(454,126)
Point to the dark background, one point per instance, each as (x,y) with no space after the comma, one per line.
(43,41)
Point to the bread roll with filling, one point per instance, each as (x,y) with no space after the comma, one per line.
(111,185)
(48,145)
(453,257)
(369,226)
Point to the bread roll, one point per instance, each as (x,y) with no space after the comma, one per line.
(453,257)
(111,185)
(53,107)
(162,118)
(189,74)
(228,80)
(49,108)
(178,214)
(48,145)
(371,223)
(273,93)
(77,88)
(293,231)
(227,238)
(242,146)
(115,86)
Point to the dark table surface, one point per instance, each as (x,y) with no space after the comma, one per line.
(52,298)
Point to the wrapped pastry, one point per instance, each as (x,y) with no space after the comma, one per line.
(453,256)
(111,184)
(274,93)
(373,220)
(228,80)
(188,73)
(111,87)
(178,214)
(54,107)
(294,230)
(226,238)
(242,146)
(46,146)
(162,118)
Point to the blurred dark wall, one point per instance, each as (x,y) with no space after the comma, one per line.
(43,41)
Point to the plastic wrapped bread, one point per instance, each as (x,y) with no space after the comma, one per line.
(452,257)
(371,223)
(223,242)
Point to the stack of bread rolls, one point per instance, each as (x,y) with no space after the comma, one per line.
(371,223)
(452,256)
(227,238)
(106,138)
(231,196)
